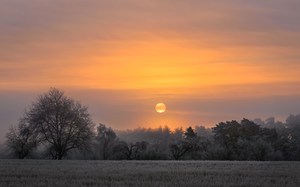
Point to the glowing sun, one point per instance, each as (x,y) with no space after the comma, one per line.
(160,107)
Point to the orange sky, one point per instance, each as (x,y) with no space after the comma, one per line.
(187,54)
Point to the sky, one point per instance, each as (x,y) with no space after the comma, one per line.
(208,61)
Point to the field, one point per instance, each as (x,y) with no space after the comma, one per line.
(147,173)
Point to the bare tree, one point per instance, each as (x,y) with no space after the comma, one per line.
(61,122)
(21,140)
(189,143)
(132,150)
(178,150)
(105,136)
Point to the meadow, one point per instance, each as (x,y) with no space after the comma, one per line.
(148,173)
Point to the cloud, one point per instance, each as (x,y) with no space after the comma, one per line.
(234,57)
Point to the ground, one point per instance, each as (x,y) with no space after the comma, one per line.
(148,173)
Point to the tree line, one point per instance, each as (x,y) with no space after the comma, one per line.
(58,127)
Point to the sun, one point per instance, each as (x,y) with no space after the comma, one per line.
(160,107)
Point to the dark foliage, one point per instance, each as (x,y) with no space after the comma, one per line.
(64,129)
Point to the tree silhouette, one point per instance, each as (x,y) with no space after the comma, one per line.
(190,134)
(61,122)
(131,150)
(21,141)
(105,137)
(187,144)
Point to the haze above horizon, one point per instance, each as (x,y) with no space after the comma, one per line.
(207,61)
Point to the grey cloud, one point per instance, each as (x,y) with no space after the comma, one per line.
(78,20)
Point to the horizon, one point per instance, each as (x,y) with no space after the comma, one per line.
(207,61)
